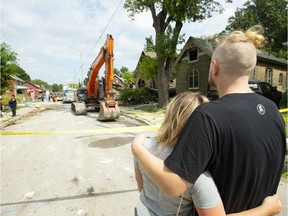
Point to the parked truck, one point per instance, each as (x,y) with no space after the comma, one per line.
(68,95)
(259,87)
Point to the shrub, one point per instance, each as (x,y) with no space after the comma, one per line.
(136,96)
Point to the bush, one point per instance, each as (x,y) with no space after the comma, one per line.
(136,96)
(283,101)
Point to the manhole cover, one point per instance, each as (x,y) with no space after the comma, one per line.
(111,142)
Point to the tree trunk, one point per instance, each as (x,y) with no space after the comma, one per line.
(162,84)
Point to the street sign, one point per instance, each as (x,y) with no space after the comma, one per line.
(31,90)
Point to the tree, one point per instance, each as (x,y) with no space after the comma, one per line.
(57,88)
(147,67)
(8,59)
(272,15)
(165,14)
(117,72)
(19,72)
(40,82)
(128,77)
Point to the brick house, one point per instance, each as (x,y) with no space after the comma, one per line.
(34,90)
(16,86)
(142,81)
(194,61)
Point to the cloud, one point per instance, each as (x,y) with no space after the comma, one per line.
(51,36)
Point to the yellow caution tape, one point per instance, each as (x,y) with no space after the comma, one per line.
(96,131)
(283,110)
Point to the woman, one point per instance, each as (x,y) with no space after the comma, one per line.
(204,192)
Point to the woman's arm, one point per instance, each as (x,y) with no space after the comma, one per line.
(270,206)
(139,179)
(156,170)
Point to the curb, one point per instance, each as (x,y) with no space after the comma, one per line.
(135,117)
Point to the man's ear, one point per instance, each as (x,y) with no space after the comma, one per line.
(215,67)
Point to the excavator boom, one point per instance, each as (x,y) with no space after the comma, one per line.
(109,109)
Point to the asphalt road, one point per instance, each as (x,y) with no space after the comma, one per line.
(56,163)
(61,164)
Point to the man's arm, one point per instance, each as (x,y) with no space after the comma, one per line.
(167,181)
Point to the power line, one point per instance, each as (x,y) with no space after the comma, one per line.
(102,33)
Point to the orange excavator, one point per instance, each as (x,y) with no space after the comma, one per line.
(99,93)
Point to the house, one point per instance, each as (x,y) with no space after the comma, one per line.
(194,62)
(34,90)
(16,86)
(140,78)
(118,82)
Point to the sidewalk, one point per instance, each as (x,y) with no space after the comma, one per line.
(8,119)
(142,116)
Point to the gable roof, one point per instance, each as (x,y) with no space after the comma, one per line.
(35,85)
(208,48)
(16,78)
(144,53)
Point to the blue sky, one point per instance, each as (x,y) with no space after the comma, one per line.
(50,36)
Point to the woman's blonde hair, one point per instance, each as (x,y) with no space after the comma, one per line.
(178,111)
(253,35)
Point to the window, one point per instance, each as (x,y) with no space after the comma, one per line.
(193,55)
(268,75)
(280,79)
(193,79)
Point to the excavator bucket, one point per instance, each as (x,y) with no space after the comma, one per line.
(79,108)
(108,112)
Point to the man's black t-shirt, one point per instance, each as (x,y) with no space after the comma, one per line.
(240,139)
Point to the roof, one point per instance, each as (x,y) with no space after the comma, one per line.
(208,48)
(149,54)
(35,85)
(16,78)
(144,53)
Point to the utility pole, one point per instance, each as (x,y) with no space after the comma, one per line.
(82,84)
(74,80)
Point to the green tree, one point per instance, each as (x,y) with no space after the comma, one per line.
(168,19)
(128,77)
(117,72)
(41,82)
(123,70)
(57,87)
(8,59)
(19,72)
(272,15)
(147,67)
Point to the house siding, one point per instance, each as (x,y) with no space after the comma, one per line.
(203,64)
(260,71)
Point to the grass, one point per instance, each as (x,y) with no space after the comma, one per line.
(153,108)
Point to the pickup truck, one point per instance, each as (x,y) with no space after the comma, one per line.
(258,87)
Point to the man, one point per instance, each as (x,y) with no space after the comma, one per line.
(13,104)
(239,138)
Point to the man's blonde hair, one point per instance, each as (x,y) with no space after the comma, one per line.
(236,52)
(252,35)
(178,111)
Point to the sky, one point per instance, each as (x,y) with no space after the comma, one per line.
(56,41)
